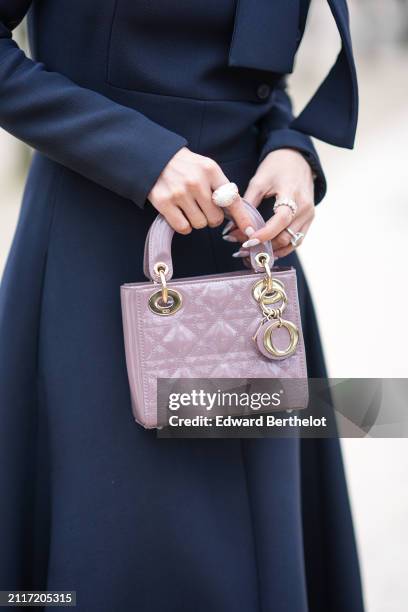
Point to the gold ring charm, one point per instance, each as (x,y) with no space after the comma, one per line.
(171,306)
(293,339)
(269,297)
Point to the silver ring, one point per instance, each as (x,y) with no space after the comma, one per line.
(225,195)
(296,237)
(286,202)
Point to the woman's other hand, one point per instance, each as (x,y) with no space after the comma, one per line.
(183,194)
(284,174)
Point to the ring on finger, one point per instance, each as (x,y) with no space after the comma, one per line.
(225,195)
(286,202)
(296,237)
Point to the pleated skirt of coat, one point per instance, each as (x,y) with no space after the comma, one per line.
(92,502)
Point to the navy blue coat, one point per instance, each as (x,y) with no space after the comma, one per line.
(90,501)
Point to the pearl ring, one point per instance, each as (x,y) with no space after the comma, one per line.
(225,195)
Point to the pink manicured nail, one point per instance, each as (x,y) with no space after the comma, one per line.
(249,231)
(230,238)
(241,253)
(251,243)
(228,227)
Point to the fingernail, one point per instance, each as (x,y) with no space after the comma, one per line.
(230,238)
(241,253)
(228,227)
(251,243)
(249,231)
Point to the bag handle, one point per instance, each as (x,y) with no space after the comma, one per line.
(160,235)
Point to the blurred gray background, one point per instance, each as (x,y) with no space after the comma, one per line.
(355,250)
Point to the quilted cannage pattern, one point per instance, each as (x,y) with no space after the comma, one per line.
(209,337)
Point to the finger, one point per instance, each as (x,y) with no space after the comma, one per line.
(235,235)
(283,252)
(245,256)
(274,226)
(236,210)
(228,227)
(176,219)
(242,219)
(216,176)
(255,192)
(283,239)
(242,253)
(203,197)
(193,213)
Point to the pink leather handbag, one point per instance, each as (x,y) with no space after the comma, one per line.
(237,325)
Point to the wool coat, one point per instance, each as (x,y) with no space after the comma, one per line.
(89,500)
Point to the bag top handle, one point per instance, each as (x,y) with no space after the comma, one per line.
(160,235)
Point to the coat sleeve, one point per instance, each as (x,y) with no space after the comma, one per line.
(276,133)
(113,145)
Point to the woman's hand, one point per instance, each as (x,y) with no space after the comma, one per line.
(183,194)
(284,174)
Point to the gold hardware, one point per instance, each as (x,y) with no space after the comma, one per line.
(161,269)
(266,318)
(269,313)
(165,291)
(293,339)
(171,306)
(165,301)
(262,258)
(268,278)
(160,265)
(273,296)
(266,292)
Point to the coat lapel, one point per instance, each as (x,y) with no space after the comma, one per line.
(265,35)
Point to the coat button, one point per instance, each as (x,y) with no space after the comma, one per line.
(264,91)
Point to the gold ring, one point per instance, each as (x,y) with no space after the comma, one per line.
(174,303)
(293,339)
(275,295)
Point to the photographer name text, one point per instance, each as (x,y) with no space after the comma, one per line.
(262,420)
